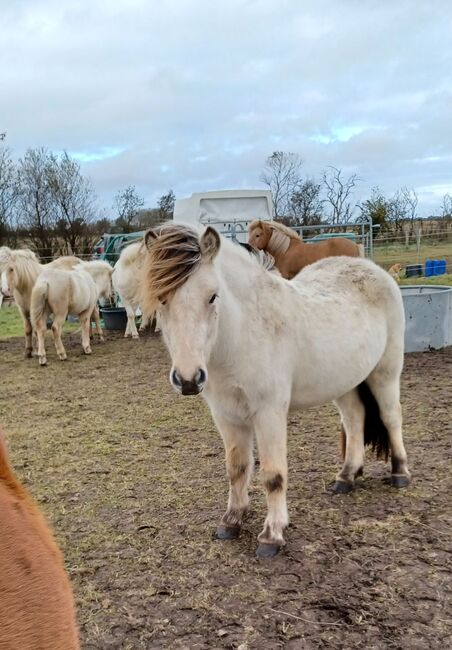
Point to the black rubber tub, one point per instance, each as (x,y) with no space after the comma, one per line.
(115,318)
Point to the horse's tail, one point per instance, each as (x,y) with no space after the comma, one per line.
(375,432)
(361,251)
(38,301)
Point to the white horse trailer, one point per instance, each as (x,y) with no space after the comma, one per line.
(229,211)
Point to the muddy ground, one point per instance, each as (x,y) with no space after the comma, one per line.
(132,478)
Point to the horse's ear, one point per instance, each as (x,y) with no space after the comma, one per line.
(149,238)
(210,244)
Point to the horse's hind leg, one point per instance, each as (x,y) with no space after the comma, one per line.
(387,393)
(85,320)
(271,436)
(238,444)
(57,325)
(352,415)
(96,317)
(41,328)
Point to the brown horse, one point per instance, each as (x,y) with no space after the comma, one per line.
(37,609)
(291,253)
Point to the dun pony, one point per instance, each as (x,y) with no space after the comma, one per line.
(257,345)
(19,270)
(62,292)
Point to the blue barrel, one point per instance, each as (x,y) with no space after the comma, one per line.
(440,267)
(429,268)
(413,270)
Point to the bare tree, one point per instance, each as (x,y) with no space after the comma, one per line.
(410,200)
(8,195)
(376,207)
(307,204)
(338,191)
(37,211)
(446,208)
(282,176)
(166,205)
(128,204)
(73,198)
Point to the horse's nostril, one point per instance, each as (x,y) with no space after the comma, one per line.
(176,379)
(200,377)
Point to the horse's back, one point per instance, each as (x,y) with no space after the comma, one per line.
(36,604)
(355,281)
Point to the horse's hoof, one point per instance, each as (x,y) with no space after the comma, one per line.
(267,550)
(87,351)
(42,362)
(399,481)
(135,337)
(227,532)
(342,487)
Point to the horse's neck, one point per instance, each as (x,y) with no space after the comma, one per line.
(278,243)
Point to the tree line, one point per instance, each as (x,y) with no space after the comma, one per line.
(46,202)
(306,201)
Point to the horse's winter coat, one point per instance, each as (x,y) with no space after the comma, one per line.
(60,292)
(36,604)
(258,345)
(291,253)
(19,270)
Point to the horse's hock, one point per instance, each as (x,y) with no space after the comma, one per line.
(428,314)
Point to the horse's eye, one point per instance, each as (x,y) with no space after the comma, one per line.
(163,302)
(212,299)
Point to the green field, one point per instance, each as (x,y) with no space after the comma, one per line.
(11,323)
(387,255)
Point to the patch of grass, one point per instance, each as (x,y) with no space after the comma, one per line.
(436,279)
(387,255)
(11,324)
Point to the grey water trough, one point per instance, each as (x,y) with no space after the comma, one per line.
(428,314)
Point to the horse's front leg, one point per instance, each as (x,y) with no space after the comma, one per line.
(28,333)
(238,444)
(271,435)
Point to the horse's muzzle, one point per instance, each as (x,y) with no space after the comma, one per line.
(189,386)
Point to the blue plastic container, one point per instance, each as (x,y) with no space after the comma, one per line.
(439,267)
(429,268)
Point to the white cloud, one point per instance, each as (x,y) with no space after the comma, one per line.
(194,95)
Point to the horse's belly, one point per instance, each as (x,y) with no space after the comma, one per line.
(324,374)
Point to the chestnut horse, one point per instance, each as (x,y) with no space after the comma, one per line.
(291,253)
(37,609)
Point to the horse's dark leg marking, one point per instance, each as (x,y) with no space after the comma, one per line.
(239,465)
(399,476)
(274,484)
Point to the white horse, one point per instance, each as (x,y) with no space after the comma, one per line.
(258,345)
(60,292)
(20,269)
(126,284)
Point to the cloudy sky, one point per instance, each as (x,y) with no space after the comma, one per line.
(195,94)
